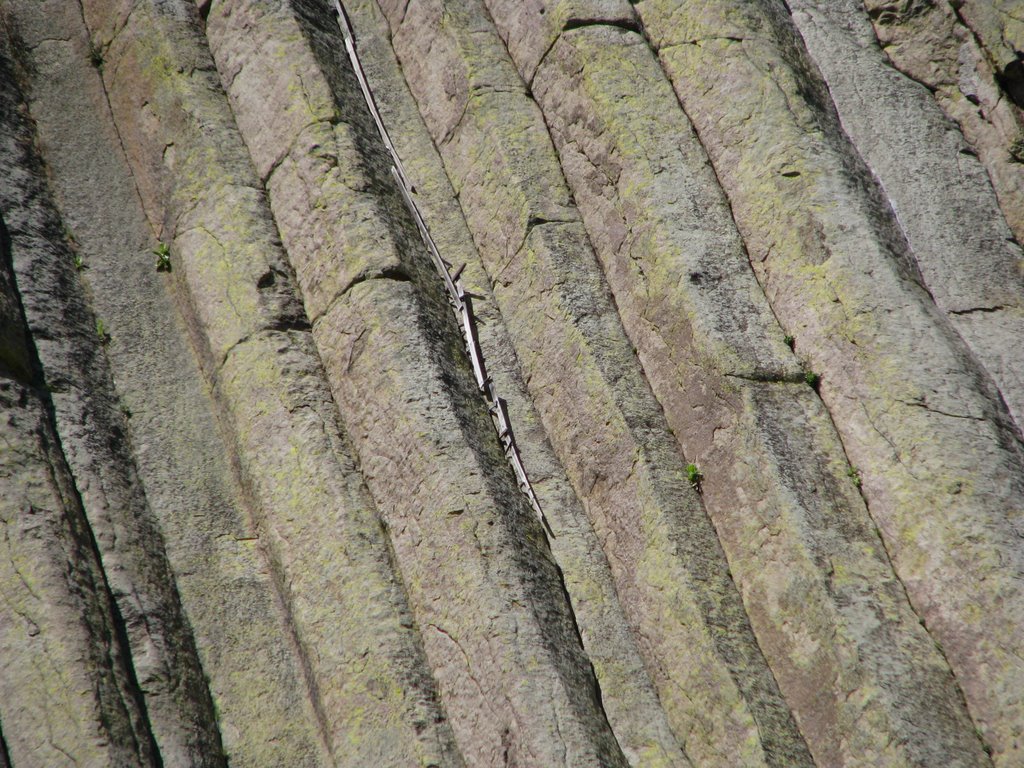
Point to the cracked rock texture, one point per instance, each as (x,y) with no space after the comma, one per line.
(745,274)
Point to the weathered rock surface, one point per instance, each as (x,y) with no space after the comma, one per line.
(934,45)
(634,713)
(669,568)
(67,682)
(93,431)
(429,458)
(631,157)
(917,415)
(939,191)
(746,275)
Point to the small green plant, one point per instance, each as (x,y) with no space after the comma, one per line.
(95,55)
(163,257)
(77,261)
(790,340)
(101,331)
(1017,149)
(813,379)
(854,474)
(694,475)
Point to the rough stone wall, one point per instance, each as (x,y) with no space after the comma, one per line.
(744,273)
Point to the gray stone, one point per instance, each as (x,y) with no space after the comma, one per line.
(941,464)
(581,370)
(627,693)
(431,459)
(67,688)
(940,192)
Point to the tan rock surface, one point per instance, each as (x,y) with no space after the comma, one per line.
(654,213)
(670,571)
(68,692)
(935,46)
(916,415)
(939,191)
(280,409)
(748,295)
(93,429)
(431,461)
(627,694)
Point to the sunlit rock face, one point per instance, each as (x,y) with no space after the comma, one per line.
(534,383)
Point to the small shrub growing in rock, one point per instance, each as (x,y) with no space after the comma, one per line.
(95,55)
(163,257)
(694,475)
(1017,150)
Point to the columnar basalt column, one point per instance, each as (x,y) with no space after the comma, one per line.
(92,423)
(487,597)
(940,193)
(695,441)
(582,370)
(317,63)
(67,688)
(934,45)
(342,626)
(795,530)
(942,467)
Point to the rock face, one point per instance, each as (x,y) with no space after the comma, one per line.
(737,282)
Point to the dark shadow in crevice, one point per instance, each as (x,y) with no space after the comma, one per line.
(626,24)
